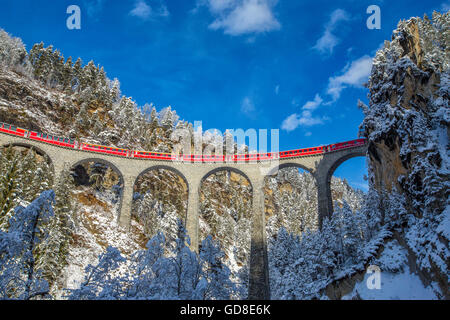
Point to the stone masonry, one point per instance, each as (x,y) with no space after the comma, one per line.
(320,166)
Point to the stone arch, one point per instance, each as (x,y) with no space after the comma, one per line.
(41,152)
(38,150)
(102,161)
(219,169)
(333,168)
(305,217)
(275,170)
(226,212)
(169,168)
(180,201)
(120,196)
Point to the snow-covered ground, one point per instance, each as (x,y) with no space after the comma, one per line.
(396,282)
(394,286)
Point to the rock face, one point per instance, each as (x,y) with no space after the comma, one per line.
(407,125)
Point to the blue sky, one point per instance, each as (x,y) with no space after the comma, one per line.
(297,66)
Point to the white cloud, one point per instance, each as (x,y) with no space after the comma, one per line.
(247,106)
(313,105)
(308,134)
(141,10)
(277,89)
(445,6)
(290,123)
(238,17)
(305,119)
(217,6)
(354,75)
(144,11)
(326,43)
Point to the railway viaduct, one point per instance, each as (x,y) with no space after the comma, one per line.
(321,166)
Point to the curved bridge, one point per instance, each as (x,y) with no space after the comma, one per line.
(321,166)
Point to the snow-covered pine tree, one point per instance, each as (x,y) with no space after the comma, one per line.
(19,278)
(13,54)
(216,275)
(9,176)
(52,252)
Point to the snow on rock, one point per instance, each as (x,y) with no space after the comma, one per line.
(396,280)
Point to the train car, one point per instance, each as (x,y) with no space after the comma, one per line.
(152,155)
(301,152)
(48,138)
(104,149)
(10,129)
(346,145)
(141,154)
(267,156)
(213,158)
(71,143)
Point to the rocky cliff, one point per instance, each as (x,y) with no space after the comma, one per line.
(407,125)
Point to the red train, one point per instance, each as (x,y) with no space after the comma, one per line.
(73,144)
